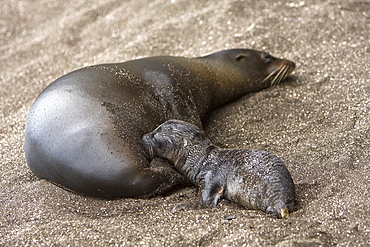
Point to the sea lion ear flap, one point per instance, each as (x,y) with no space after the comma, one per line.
(239,57)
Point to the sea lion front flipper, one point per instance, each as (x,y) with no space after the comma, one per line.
(212,188)
(170,176)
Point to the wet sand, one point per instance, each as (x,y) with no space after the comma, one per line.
(317,122)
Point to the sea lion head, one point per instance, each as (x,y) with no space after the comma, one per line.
(173,139)
(258,68)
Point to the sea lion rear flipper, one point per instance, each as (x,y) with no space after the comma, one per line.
(279,210)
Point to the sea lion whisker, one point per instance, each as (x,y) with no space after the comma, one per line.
(273,73)
(286,70)
(151,152)
(279,76)
(289,70)
(270,75)
(285,74)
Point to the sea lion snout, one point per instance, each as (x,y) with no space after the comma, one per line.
(279,70)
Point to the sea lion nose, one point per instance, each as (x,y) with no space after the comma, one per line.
(292,64)
(289,64)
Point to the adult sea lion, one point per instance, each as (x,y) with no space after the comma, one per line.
(254,179)
(84,130)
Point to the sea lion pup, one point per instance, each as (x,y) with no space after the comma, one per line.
(83,132)
(254,179)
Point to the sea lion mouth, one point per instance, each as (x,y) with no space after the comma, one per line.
(280,73)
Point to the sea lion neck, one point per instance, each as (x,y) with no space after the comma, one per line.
(209,81)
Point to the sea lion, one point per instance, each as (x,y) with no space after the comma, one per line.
(83,132)
(254,179)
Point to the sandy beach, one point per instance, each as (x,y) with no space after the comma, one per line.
(317,121)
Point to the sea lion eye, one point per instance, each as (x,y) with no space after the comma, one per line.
(267,57)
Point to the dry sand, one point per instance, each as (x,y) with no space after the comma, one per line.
(318,122)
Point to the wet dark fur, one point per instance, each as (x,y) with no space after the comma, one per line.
(254,179)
